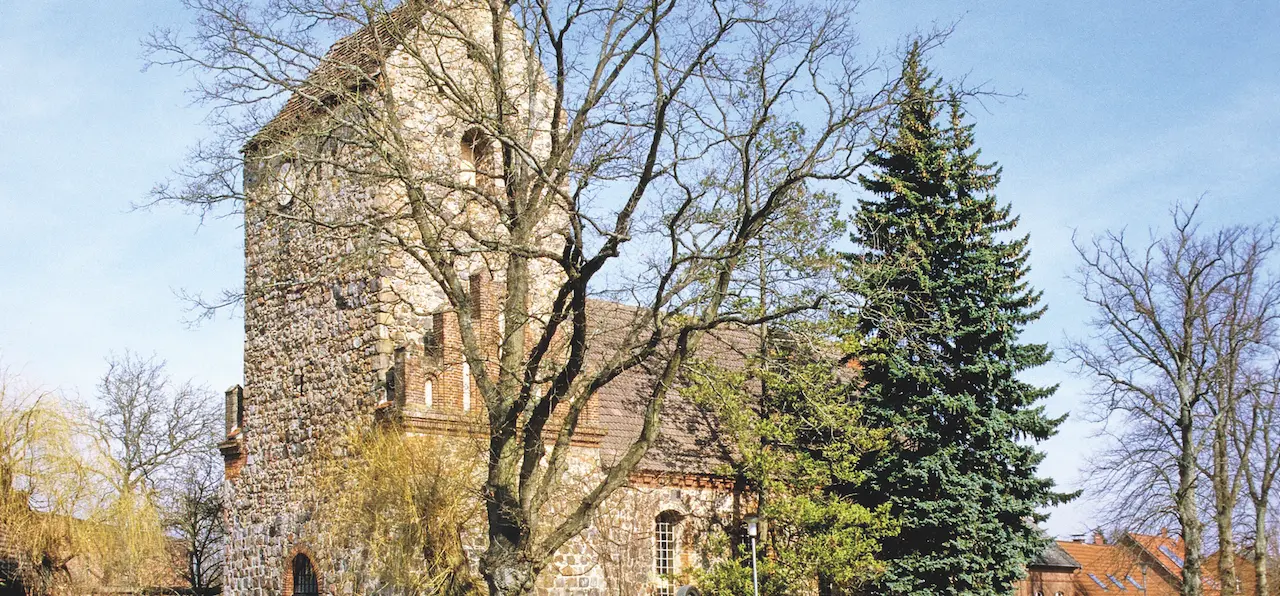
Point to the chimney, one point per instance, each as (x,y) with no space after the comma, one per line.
(234,408)
(1164,532)
(1098,538)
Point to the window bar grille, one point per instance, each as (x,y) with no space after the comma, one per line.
(304,577)
(664,555)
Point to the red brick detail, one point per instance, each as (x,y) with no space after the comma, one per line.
(438,358)
(653,479)
(286,581)
(475,425)
(233,455)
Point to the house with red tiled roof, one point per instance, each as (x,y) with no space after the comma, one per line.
(1138,564)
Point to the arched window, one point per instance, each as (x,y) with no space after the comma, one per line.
(304,577)
(475,159)
(666,534)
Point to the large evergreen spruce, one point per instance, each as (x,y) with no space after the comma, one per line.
(945,302)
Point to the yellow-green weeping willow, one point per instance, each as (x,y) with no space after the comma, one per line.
(65,528)
(126,549)
(39,480)
(395,510)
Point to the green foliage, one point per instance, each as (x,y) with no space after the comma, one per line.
(796,435)
(945,301)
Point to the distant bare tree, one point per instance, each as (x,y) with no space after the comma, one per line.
(145,429)
(631,149)
(146,423)
(1256,443)
(1174,318)
(1239,332)
(194,517)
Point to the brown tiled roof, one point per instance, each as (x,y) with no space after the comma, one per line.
(1163,549)
(1054,557)
(349,62)
(1122,561)
(689,439)
(1244,574)
(1103,565)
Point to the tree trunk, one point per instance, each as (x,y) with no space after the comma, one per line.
(506,571)
(1224,507)
(1188,514)
(1260,547)
(505,565)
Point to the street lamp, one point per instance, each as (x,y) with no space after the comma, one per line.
(1143,567)
(753,529)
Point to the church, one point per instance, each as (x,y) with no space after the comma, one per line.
(343,333)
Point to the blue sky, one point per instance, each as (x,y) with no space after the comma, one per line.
(1123,108)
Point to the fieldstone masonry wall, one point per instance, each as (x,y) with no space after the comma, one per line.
(315,353)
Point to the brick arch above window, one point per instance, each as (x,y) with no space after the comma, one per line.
(300,577)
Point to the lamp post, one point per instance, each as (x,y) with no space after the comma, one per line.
(1143,566)
(753,528)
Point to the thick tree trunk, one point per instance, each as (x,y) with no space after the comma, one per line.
(1260,548)
(505,569)
(505,565)
(1188,513)
(1224,508)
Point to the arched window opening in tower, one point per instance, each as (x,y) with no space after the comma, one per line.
(475,153)
(304,577)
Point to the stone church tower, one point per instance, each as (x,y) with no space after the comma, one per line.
(341,333)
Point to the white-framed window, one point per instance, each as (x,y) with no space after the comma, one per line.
(666,549)
(428,393)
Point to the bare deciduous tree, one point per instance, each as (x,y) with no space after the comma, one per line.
(1175,318)
(631,149)
(144,429)
(193,512)
(1239,333)
(146,423)
(1256,443)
